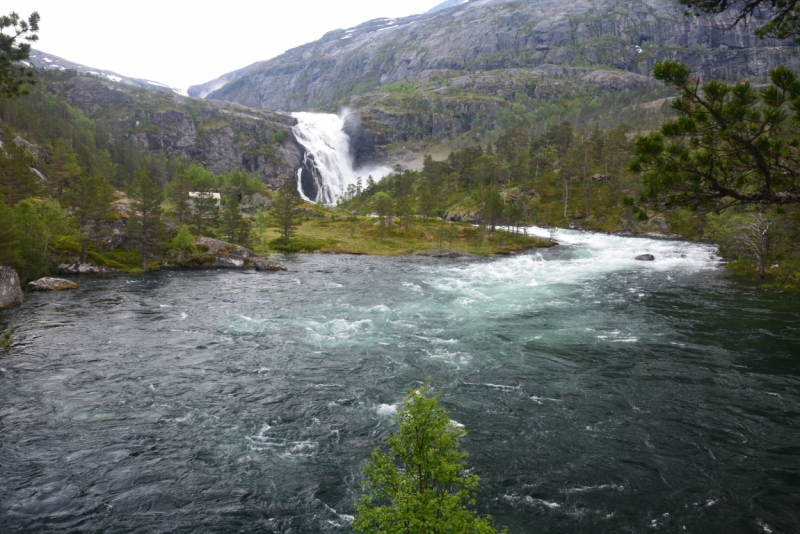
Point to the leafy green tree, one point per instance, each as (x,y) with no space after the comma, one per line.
(146,225)
(183,244)
(14,76)
(54,220)
(89,198)
(31,254)
(284,211)
(731,144)
(17,181)
(421,485)
(235,228)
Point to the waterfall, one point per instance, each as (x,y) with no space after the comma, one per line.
(328,163)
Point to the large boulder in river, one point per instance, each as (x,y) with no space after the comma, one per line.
(645,257)
(10,289)
(51,284)
(218,254)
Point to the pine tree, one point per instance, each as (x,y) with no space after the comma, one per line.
(89,198)
(384,206)
(284,211)
(235,228)
(14,76)
(180,187)
(731,144)
(63,168)
(205,216)
(146,225)
(421,485)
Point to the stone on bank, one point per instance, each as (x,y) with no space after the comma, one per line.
(10,289)
(51,284)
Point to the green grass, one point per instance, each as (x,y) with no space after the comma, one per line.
(344,234)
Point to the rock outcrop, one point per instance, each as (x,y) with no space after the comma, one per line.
(51,284)
(645,257)
(10,290)
(216,254)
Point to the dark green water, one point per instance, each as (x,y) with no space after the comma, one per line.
(600,394)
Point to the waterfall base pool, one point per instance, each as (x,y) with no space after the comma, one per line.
(600,394)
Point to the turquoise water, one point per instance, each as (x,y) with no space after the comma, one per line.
(600,394)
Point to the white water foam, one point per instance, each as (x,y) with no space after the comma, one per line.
(584,256)
(328,155)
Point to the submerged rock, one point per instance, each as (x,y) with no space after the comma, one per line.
(10,289)
(444,253)
(51,284)
(645,257)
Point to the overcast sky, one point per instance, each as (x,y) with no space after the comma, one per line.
(182,43)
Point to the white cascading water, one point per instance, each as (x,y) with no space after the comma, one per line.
(328,157)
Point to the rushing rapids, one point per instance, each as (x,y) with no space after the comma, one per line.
(328,165)
(601,394)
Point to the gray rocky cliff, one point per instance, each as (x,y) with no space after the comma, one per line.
(222,136)
(467,41)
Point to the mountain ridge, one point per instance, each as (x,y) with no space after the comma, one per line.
(490,35)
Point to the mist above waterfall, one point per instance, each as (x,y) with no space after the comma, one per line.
(328,162)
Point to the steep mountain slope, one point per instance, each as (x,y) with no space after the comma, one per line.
(44,61)
(220,135)
(504,37)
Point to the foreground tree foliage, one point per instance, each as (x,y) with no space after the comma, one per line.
(14,76)
(731,145)
(421,485)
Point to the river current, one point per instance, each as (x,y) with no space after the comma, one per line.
(600,394)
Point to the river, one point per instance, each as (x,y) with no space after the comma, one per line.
(600,394)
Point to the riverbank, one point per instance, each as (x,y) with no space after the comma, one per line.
(335,232)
